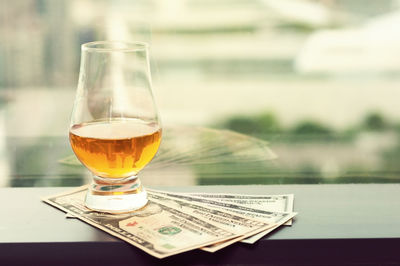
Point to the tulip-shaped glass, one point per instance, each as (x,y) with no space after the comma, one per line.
(115,129)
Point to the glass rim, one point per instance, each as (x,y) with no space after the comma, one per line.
(107,46)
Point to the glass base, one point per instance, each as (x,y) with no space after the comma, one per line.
(116,197)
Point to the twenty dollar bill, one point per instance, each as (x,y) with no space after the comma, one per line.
(158,229)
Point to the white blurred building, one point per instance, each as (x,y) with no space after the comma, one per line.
(373,47)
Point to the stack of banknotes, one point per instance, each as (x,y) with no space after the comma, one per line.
(172,223)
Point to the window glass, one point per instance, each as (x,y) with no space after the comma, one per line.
(249,91)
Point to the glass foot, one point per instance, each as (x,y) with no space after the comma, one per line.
(118,197)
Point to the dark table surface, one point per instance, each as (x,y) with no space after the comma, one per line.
(336,224)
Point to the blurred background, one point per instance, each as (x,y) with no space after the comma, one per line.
(315,81)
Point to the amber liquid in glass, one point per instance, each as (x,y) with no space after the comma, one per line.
(115,149)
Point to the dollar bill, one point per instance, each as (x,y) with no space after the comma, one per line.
(238,224)
(158,229)
(278,203)
(261,215)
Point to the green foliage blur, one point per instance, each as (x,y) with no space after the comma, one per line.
(260,124)
(374,122)
(266,125)
(365,135)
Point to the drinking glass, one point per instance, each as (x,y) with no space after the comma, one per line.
(115,129)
